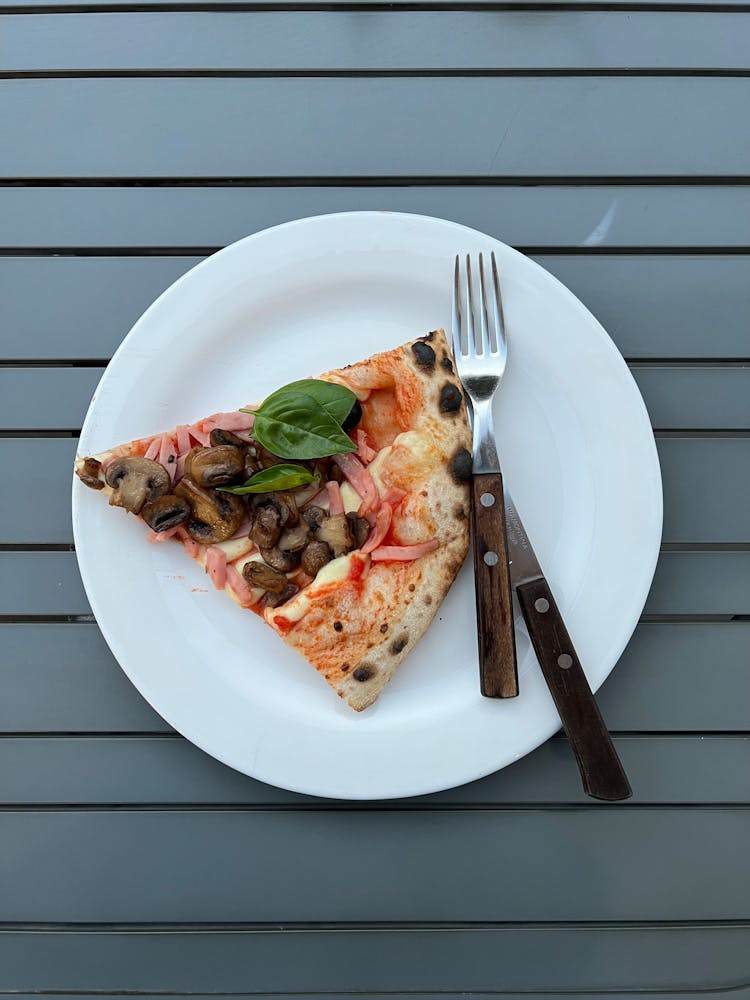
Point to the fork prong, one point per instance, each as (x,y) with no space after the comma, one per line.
(471,343)
(497,299)
(456,332)
(486,346)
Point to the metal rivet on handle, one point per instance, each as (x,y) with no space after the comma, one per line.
(487,500)
(490,558)
(541,604)
(565,661)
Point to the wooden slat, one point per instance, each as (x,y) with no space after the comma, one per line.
(652,306)
(447,960)
(684,770)
(543,216)
(685,398)
(741,994)
(64,5)
(354,865)
(706,489)
(570,126)
(696,398)
(63,679)
(322,41)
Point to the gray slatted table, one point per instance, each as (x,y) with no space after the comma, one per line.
(611,142)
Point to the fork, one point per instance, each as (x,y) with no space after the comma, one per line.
(481,354)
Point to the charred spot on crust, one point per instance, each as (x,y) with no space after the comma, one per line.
(428,599)
(423,354)
(399,644)
(459,512)
(412,588)
(461,465)
(450,398)
(384,627)
(364,672)
(344,668)
(337,626)
(447,364)
(429,336)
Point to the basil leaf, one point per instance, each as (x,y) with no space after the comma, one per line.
(293,424)
(276,477)
(335,399)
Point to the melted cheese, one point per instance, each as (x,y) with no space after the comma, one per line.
(335,571)
(351,498)
(420,458)
(236,547)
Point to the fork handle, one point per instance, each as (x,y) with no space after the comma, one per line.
(602,772)
(498,673)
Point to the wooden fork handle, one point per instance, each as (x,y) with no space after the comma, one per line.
(601,771)
(498,673)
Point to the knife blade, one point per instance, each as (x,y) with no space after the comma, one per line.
(601,770)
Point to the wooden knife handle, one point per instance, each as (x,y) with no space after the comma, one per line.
(602,773)
(498,672)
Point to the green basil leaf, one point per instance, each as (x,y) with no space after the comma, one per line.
(276,477)
(335,399)
(293,424)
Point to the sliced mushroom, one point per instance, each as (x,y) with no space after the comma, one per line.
(360,528)
(337,533)
(315,557)
(314,516)
(267,458)
(136,481)
(215,517)
(88,473)
(284,562)
(294,539)
(259,574)
(266,528)
(216,466)
(276,600)
(219,437)
(289,512)
(252,465)
(166,512)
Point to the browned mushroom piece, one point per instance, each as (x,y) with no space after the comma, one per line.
(314,516)
(284,562)
(88,472)
(166,512)
(266,458)
(259,574)
(219,437)
(288,507)
(315,557)
(215,517)
(337,533)
(360,528)
(294,539)
(217,466)
(266,529)
(252,465)
(136,481)
(270,600)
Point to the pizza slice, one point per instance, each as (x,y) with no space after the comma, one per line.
(337,510)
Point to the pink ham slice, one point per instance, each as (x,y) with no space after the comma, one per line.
(168,456)
(216,566)
(152,452)
(335,500)
(361,480)
(163,536)
(382,524)
(394,495)
(365,451)
(404,553)
(183,439)
(240,586)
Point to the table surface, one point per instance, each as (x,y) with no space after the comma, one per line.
(609,141)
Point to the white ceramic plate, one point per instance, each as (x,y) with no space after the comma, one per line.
(577,452)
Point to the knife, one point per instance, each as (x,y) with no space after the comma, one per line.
(602,772)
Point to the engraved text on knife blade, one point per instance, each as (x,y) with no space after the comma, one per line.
(522,560)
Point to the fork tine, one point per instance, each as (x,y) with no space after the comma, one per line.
(500,340)
(456,310)
(471,343)
(485,335)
